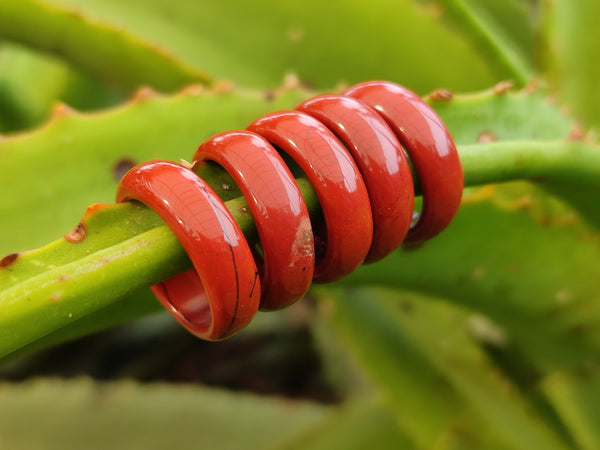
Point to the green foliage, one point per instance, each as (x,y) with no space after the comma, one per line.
(484,337)
(79,413)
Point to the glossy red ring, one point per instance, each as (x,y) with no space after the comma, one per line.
(339,187)
(381,161)
(429,146)
(222,294)
(278,209)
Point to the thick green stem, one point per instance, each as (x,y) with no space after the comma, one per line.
(37,298)
(572,161)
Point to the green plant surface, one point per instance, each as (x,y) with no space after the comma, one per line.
(516,279)
(55,83)
(372,427)
(264,40)
(78,413)
(570,56)
(20,70)
(434,375)
(92,45)
(79,154)
(500,31)
(575,395)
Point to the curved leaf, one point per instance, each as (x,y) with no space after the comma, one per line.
(572,42)
(257,43)
(113,56)
(520,258)
(576,397)
(502,32)
(23,107)
(419,354)
(80,413)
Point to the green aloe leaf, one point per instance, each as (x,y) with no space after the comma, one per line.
(55,84)
(80,413)
(323,42)
(359,424)
(501,32)
(113,56)
(82,156)
(419,354)
(571,55)
(575,396)
(520,258)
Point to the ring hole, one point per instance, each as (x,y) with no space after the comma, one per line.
(218,179)
(185,296)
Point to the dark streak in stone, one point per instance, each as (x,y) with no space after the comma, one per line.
(253,284)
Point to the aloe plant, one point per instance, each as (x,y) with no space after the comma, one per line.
(483,337)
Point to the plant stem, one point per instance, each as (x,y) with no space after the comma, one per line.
(35,302)
(575,162)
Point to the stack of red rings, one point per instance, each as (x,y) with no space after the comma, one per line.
(351,149)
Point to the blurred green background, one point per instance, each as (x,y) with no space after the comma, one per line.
(484,338)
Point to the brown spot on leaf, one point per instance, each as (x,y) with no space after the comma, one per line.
(290,82)
(576,134)
(61,110)
(531,87)
(440,95)
(485,137)
(121,168)
(503,87)
(143,93)
(8,260)
(295,34)
(270,96)
(78,233)
(223,87)
(193,89)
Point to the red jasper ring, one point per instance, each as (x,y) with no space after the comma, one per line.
(278,210)
(351,149)
(337,183)
(429,146)
(381,162)
(222,294)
